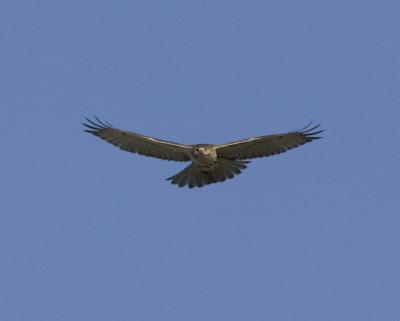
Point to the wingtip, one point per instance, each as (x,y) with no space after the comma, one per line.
(104,124)
(95,125)
(310,131)
(305,127)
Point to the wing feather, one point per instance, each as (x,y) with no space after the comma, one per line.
(136,143)
(268,145)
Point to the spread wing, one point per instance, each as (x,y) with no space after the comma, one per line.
(268,145)
(136,143)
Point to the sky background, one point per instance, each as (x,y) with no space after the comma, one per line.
(88,232)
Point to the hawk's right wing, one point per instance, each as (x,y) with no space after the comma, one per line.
(136,143)
(267,145)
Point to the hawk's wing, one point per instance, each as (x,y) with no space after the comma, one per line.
(136,143)
(267,145)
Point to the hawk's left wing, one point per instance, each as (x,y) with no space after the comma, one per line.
(136,143)
(267,145)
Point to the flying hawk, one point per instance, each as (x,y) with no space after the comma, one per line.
(209,163)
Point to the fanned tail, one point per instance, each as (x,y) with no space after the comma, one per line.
(193,176)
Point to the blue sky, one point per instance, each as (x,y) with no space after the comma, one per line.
(88,232)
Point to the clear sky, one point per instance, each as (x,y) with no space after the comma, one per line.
(88,232)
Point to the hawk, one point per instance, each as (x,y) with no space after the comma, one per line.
(209,163)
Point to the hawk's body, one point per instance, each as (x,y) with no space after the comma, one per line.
(210,163)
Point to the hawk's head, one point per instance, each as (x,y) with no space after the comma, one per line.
(203,153)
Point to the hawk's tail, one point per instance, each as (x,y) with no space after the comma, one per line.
(193,176)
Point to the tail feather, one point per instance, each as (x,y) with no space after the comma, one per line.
(181,179)
(219,174)
(193,176)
